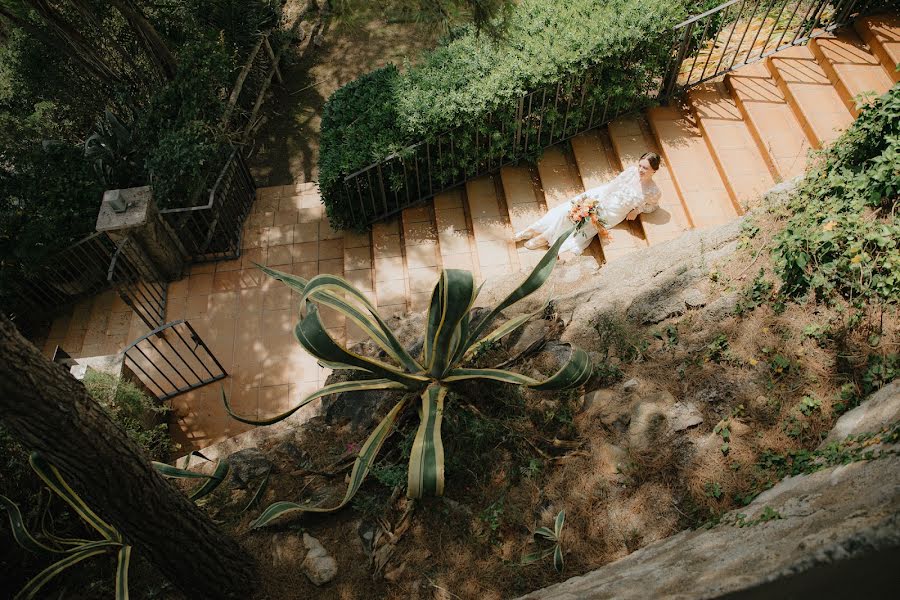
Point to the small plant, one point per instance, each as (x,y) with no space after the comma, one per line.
(818,332)
(554,538)
(72,551)
(492,516)
(713,490)
(451,340)
(717,349)
(809,404)
(779,365)
(757,293)
(723,430)
(768,514)
(668,336)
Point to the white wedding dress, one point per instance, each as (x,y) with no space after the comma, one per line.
(615,199)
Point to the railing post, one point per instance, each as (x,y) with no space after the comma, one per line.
(672,77)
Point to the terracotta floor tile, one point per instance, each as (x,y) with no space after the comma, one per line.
(310,199)
(388,268)
(425,255)
(310,214)
(356,240)
(390,292)
(462,260)
(277,298)
(419,301)
(383,228)
(287,368)
(254,238)
(387,246)
(200,284)
(306,270)
(492,254)
(422,279)
(450,220)
(306,232)
(286,217)
(449,199)
(327,233)
(482,197)
(119,322)
(279,255)
(280,235)
(274,399)
(418,233)
(176,308)
(334,266)
(226,281)
(261,219)
(331,248)
(244,400)
(454,242)
(178,289)
(249,278)
(491,271)
(361,279)
(417,214)
(251,256)
(390,310)
(268,193)
(222,303)
(224,266)
(204,267)
(490,228)
(196,306)
(305,252)
(331,318)
(291,202)
(357,258)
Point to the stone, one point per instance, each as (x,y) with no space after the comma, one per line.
(290,454)
(648,423)
(597,398)
(529,337)
(631,385)
(319,566)
(684,415)
(611,458)
(366,531)
(360,408)
(880,410)
(693,298)
(287,550)
(720,308)
(248,465)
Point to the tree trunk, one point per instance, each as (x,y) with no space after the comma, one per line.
(153,43)
(51,412)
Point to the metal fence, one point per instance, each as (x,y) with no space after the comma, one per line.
(138,283)
(173,359)
(213,231)
(731,35)
(741,32)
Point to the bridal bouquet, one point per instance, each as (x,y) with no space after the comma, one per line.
(584,212)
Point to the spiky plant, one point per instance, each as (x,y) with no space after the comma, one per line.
(450,341)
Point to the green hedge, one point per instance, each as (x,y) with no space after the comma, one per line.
(472,85)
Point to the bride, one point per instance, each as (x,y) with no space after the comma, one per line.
(631,193)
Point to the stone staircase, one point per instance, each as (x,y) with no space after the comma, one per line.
(722,146)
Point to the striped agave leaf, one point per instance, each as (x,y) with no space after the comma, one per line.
(426,461)
(212,481)
(72,558)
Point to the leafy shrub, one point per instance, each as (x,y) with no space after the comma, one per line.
(842,239)
(471,84)
(133,410)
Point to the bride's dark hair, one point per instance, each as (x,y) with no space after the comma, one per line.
(652,158)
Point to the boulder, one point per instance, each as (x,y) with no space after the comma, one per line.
(247,466)
(683,415)
(319,566)
(880,410)
(287,550)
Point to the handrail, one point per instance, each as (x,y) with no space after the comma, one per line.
(707,13)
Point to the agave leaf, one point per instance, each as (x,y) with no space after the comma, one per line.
(51,476)
(536,556)
(373,325)
(259,491)
(575,372)
(455,292)
(218,476)
(20,531)
(84,552)
(122,572)
(334,388)
(502,331)
(558,562)
(317,341)
(426,460)
(175,472)
(560,521)
(367,455)
(546,533)
(532,283)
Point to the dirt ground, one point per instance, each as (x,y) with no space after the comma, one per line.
(285,148)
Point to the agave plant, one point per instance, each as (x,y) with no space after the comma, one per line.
(554,537)
(451,340)
(73,550)
(112,151)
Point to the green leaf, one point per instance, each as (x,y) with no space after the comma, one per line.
(558,562)
(259,491)
(176,473)
(455,293)
(575,372)
(51,476)
(502,331)
(546,533)
(532,283)
(334,388)
(426,460)
(367,455)
(218,476)
(84,552)
(536,556)
(123,562)
(560,521)
(20,531)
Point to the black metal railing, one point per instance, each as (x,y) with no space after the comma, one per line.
(138,283)
(213,231)
(78,271)
(734,34)
(173,359)
(742,32)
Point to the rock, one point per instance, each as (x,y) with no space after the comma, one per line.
(611,458)
(529,337)
(366,532)
(287,550)
(631,385)
(693,298)
(319,566)
(648,422)
(666,299)
(360,408)
(291,455)
(720,308)
(684,415)
(597,398)
(248,465)
(880,410)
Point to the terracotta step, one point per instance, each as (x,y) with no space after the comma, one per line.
(630,139)
(810,94)
(850,67)
(882,34)
(525,204)
(693,169)
(744,171)
(455,240)
(422,254)
(560,181)
(598,164)
(771,121)
(358,270)
(490,228)
(391,294)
